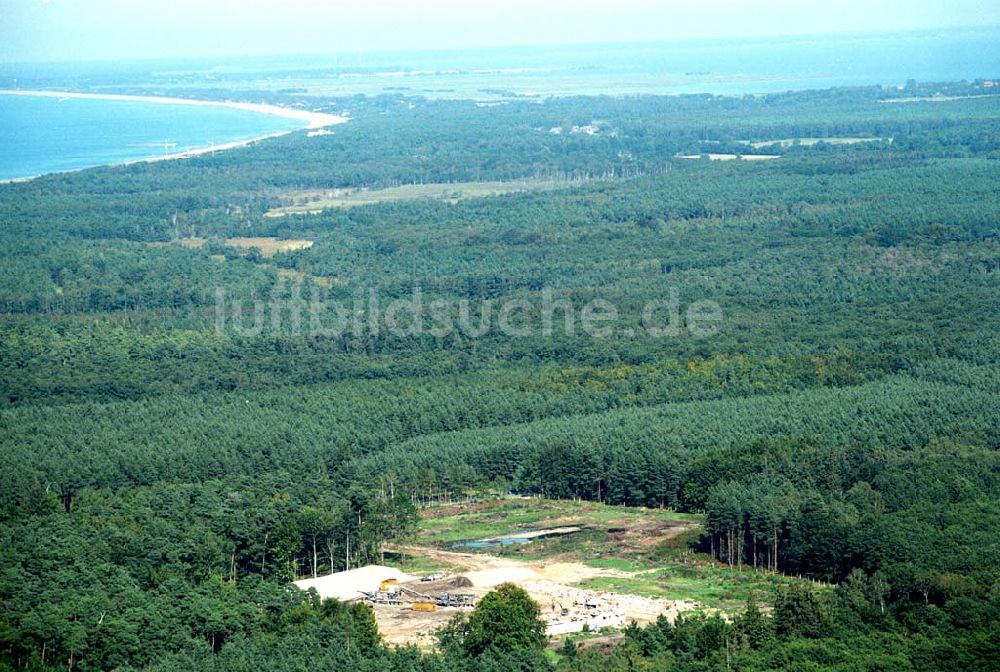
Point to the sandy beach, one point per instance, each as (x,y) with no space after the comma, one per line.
(310,120)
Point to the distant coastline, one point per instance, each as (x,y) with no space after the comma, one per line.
(311,120)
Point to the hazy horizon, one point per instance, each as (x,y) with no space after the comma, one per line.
(56,31)
(286,59)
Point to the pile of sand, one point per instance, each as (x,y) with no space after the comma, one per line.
(346,586)
(450,584)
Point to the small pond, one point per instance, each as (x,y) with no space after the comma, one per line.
(525,537)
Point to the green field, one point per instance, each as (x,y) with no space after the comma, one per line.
(711,584)
(316,201)
(657,566)
(449,523)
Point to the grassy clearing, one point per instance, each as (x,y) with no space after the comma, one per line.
(308,202)
(268,246)
(621,564)
(703,581)
(650,550)
(443,524)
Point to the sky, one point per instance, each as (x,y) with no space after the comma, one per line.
(80,30)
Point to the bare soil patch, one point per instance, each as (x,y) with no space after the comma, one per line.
(566,607)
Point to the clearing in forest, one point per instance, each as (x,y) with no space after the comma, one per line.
(810,142)
(732,157)
(593,560)
(556,587)
(315,201)
(268,245)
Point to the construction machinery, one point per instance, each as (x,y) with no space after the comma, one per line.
(390,592)
(444,600)
(383,597)
(456,600)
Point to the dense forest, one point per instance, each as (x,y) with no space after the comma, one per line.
(165,478)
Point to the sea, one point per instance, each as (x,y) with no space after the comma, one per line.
(43,135)
(40,135)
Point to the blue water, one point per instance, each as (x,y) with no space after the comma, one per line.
(679,66)
(505,541)
(509,540)
(41,135)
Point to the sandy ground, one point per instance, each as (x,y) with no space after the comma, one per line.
(311,120)
(552,595)
(349,585)
(551,584)
(402,626)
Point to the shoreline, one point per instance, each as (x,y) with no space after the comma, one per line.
(312,120)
